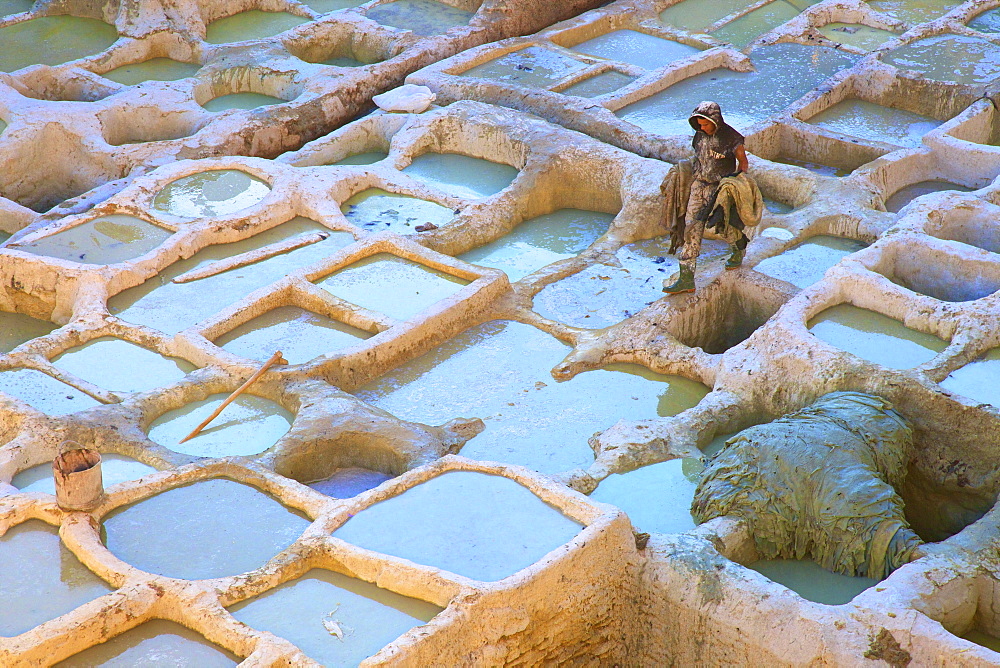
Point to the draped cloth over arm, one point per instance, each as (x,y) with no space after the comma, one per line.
(676,188)
(819,484)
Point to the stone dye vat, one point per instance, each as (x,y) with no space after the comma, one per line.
(895,202)
(392,285)
(66,38)
(367,617)
(421,17)
(857,35)
(875,337)
(378,210)
(635,48)
(16,329)
(844,513)
(42,579)
(253,24)
(461,175)
(469,538)
(748,27)
(499,372)
(300,335)
(599,84)
(213,193)
(121,366)
(208,529)
(535,67)
(978,380)
(813,582)
(367,158)
(247,426)
(867,120)
(240,101)
(43,392)
(541,241)
(154,643)
(349,482)
(657,498)
(805,263)
(783,72)
(950,58)
(154,69)
(105,240)
(170,307)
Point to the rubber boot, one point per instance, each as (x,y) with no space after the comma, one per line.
(684,282)
(736,259)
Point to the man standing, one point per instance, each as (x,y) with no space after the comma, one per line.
(718,153)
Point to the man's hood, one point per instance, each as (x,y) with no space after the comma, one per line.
(709,111)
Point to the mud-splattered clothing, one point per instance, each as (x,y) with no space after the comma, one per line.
(714,159)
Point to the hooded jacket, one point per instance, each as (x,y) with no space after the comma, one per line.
(715,154)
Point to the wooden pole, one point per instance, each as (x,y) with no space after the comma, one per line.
(275,359)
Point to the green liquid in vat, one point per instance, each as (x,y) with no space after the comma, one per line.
(216,192)
(534,67)
(895,202)
(636,48)
(348,482)
(914,11)
(657,498)
(3,235)
(324,6)
(978,380)
(105,240)
(541,241)
(41,578)
(783,74)
(171,307)
(248,426)
(451,522)
(461,175)
(696,15)
(369,617)
(988,21)
(65,38)
(16,328)
(121,366)
(811,581)
(601,84)
(8,7)
(875,337)
(949,58)
(300,335)
(500,372)
(775,206)
(867,120)
(603,294)
(750,26)
(241,101)
(253,24)
(368,158)
(114,469)
(378,210)
(391,285)
(344,61)
(43,392)
(154,644)
(208,529)
(857,35)
(804,264)
(980,638)
(422,17)
(154,69)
